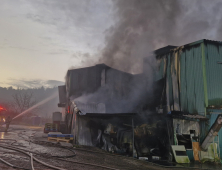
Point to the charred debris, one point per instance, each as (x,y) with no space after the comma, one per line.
(175,115)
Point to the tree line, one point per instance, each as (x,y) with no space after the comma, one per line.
(17,100)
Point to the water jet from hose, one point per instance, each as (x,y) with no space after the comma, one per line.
(36,105)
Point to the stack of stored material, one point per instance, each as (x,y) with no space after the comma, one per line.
(50,127)
(59,137)
(57,123)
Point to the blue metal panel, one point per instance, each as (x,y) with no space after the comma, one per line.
(190,154)
(212,120)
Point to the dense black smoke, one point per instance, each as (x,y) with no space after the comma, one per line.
(142,25)
(145,25)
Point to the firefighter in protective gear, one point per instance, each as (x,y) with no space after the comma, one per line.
(7,123)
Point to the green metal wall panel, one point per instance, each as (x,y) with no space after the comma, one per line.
(198,82)
(191,78)
(203,52)
(214,73)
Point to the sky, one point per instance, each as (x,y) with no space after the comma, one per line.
(40,40)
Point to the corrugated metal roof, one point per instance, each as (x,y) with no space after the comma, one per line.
(203,40)
(186,116)
(164,50)
(97,65)
(171,48)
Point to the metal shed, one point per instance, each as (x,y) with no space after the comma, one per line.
(192,77)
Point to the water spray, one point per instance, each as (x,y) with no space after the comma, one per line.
(36,105)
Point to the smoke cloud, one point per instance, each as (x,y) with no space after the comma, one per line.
(122,32)
(145,25)
(85,60)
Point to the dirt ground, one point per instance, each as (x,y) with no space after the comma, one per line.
(33,140)
(86,158)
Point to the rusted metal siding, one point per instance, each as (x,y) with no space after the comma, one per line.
(183,70)
(175,74)
(161,68)
(213,55)
(169,87)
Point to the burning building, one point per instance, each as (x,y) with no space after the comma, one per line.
(115,110)
(103,84)
(103,108)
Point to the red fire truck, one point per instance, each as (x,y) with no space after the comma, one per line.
(3,114)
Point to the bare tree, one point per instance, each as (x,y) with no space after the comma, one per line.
(23,101)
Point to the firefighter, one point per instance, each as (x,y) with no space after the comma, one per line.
(7,122)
